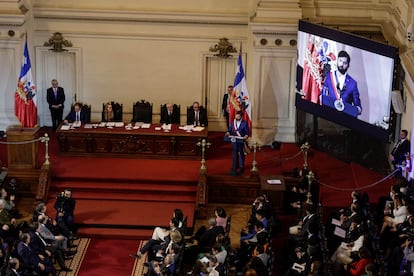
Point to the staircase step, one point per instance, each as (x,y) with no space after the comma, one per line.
(114,186)
(101,212)
(135,196)
(114,233)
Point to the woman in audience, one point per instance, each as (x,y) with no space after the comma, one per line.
(357,268)
(396,216)
(221,217)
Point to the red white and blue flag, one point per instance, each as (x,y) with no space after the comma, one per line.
(25,96)
(240,99)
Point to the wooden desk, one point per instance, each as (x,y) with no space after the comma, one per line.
(134,143)
(275,192)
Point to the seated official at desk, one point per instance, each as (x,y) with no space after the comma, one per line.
(77,114)
(169,114)
(197,115)
(108,113)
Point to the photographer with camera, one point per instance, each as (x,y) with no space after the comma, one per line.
(65,207)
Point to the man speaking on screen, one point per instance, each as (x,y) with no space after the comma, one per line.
(340,90)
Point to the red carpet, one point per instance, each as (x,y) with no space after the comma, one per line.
(109,257)
(140,194)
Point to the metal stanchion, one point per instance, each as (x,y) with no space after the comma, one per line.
(204,144)
(45,139)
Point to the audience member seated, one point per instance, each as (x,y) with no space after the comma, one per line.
(41,247)
(78,113)
(13,268)
(49,237)
(396,215)
(247,234)
(142,112)
(158,238)
(357,268)
(202,263)
(39,263)
(9,227)
(170,114)
(299,263)
(197,115)
(221,217)
(112,112)
(260,261)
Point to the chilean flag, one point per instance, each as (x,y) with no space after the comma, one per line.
(25,96)
(240,99)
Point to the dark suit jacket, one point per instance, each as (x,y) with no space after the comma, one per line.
(71,117)
(224,103)
(27,256)
(166,119)
(50,97)
(242,130)
(208,238)
(202,117)
(349,95)
(399,152)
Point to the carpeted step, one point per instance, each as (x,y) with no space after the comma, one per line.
(114,233)
(140,215)
(155,191)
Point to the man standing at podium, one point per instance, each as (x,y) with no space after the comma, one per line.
(239,132)
(340,86)
(55,98)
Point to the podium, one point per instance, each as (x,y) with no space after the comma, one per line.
(347,108)
(22,155)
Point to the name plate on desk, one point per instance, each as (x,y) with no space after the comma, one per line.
(274,181)
(234,139)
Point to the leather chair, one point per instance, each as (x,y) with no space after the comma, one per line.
(142,112)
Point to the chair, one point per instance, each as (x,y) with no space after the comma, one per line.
(87,109)
(228,226)
(117,109)
(142,112)
(174,119)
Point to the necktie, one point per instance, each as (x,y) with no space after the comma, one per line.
(196,118)
(40,237)
(55,91)
(77,116)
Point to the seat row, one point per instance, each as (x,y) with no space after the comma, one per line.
(143,111)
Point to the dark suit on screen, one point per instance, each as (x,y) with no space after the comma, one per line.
(349,92)
(58,99)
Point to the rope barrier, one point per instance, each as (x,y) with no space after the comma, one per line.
(22,142)
(358,188)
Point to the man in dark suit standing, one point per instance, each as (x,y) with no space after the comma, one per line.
(401,149)
(170,115)
(225,106)
(197,115)
(239,131)
(56,98)
(77,115)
